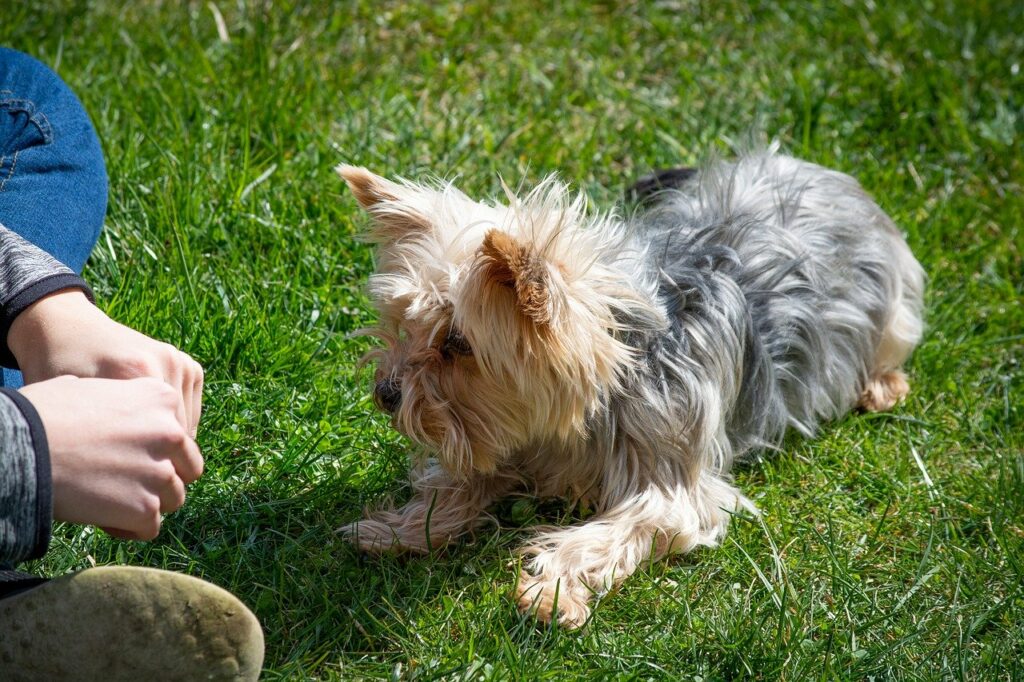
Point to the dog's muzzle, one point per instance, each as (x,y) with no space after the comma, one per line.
(388,394)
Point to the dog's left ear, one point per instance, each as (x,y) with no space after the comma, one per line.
(514,265)
(369,188)
(383,199)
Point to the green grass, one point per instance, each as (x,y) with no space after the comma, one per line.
(891,547)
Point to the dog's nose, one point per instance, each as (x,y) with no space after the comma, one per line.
(388,394)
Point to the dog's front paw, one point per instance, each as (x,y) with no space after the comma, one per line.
(374,536)
(548,597)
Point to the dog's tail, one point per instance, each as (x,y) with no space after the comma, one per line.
(646,189)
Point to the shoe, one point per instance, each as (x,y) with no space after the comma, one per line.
(127,623)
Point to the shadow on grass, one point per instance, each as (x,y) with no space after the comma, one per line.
(320,600)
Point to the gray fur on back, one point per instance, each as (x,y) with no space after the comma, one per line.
(778,277)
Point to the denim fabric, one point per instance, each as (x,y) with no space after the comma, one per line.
(53,183)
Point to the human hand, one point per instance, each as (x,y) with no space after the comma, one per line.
(65,334)
(119,454)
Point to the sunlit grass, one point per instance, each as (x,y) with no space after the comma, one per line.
(890,547)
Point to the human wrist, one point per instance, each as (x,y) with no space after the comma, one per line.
(35,329)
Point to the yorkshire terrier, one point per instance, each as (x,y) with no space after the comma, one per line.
(626,362)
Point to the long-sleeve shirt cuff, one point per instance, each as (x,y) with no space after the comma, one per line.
(26,494)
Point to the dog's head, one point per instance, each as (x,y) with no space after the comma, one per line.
(502,324)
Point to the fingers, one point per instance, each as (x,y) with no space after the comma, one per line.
(176,442)
(186,375)
(197,395)
(176,368)
(177,461)
(187,386)
(180,413)
(123,472)
(171,493)
(175,375)
(141,518)
(192,392)
(189,463)
(165,494)
(120,533)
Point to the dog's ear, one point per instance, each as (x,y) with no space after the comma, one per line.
(514,265)
(369,189)
(384,200)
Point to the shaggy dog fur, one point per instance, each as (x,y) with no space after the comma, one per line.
(536,346)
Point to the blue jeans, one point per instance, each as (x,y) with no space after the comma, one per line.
(53,184)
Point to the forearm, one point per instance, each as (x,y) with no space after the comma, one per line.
(25,484)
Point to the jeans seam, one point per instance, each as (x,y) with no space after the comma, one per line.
(37,118)
(10,173)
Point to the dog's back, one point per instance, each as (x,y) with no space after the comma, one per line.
(832,291)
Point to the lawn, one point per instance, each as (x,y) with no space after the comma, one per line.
(891,547)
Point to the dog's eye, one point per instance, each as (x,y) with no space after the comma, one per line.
(456,344)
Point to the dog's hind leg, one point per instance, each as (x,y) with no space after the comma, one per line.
(441,509)
(884,390)
(887,384)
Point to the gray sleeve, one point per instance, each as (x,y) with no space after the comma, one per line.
(27,274)
(26,502)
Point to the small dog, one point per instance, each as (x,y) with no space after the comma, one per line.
(625,362)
